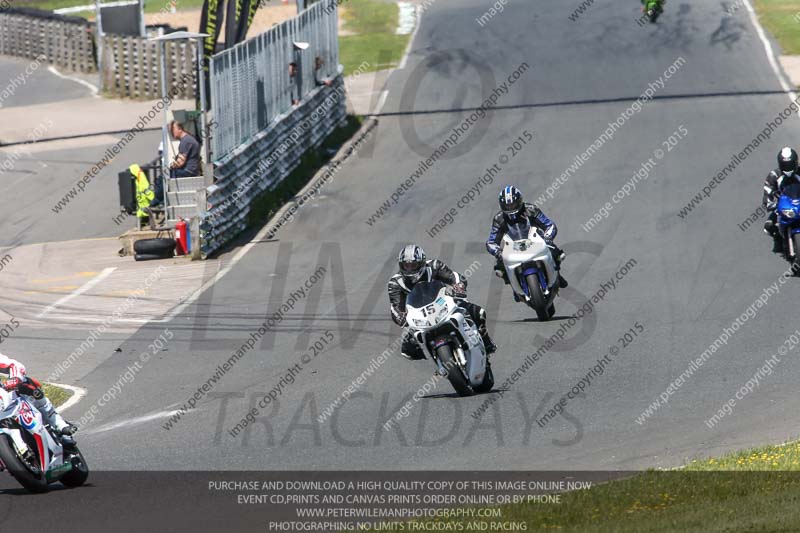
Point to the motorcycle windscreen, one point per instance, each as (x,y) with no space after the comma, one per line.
(519,231)
(792,191)
(424,293)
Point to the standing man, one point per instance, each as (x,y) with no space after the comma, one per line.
(186,163)
(295,84)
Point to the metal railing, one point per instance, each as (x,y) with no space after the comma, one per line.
(251,85)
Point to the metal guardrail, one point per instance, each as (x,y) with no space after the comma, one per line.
(264,161)
(250,83)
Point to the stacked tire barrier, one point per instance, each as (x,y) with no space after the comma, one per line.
(264,161)
(63,41)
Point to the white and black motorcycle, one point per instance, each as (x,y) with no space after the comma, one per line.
(32,452)
(530,268)
(445,332)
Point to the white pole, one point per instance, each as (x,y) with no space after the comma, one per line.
(164,133)
(142,30)
(99,38)
(201,82)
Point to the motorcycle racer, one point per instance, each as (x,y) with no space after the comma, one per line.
(415,267)
(512,210)
(776,180)
(30,387)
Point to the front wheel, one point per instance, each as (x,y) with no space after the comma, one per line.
(79,473)
(29,476)
(537,301)
(796,260)
(488,380)
(454,374)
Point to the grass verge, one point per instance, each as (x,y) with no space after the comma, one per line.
(782,19)
(57,395)
(268,203)
(751,490)
(373,24)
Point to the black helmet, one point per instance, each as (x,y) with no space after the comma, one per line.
(412,262)
(511,202)
(787,161)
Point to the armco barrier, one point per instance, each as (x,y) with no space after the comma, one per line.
(264,161)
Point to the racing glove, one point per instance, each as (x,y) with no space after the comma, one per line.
(460,290)
(30,387)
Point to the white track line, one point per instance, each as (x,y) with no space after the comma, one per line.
(77,292)
(407,51)
(130,422)
(77,395)
(85,83)
(773,59)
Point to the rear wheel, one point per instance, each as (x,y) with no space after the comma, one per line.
(79,473)
(537,301)
(28,475)
(454,374)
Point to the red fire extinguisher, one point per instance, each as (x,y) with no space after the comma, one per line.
(181,237)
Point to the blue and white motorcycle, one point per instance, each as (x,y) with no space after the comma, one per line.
(788,215)
(530,268)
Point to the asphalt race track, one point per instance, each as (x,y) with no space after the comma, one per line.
(690,276)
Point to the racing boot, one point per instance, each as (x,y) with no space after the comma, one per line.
(52,418)
(777,244)
(500,272)
(558,257)
(488,343)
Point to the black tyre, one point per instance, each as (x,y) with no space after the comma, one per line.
(488,380)
(454,374)
(32,479)
(79,473)
(537,302)
(160,247)
(551,311)
(149,257)
(796,260)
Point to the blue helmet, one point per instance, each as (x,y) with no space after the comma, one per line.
(511,202)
